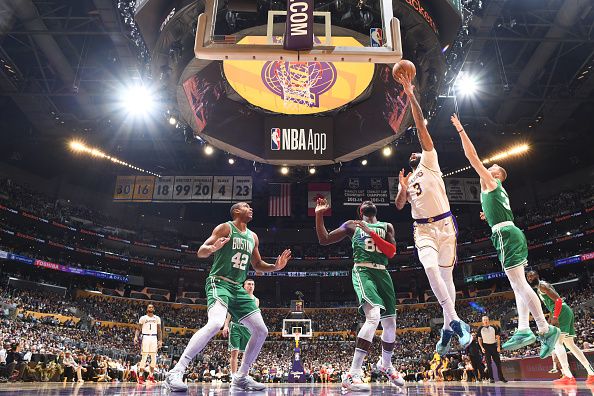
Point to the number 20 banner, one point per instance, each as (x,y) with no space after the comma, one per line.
(183,189)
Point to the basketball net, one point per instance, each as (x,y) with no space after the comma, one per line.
(297,80)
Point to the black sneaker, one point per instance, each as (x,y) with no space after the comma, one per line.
(492,381)
(504,380)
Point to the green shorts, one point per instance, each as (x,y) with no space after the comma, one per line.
(511,246)
(238,302)
(238,337)
(566,320)
(374,286)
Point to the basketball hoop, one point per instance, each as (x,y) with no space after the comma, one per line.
(297,80)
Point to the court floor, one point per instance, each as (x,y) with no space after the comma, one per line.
(441,389)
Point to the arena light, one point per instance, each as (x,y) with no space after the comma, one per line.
(511,152)
(312,170)
(364,162)
(138,100)
(387,151)
(284,170)
(79,147)
(208,149)
(172,120)
(466,85)
(231,161)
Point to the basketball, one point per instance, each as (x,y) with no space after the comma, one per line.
(404,67)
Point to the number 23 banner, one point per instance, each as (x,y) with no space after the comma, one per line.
(183,189)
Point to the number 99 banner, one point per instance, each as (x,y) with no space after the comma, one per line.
(183,189)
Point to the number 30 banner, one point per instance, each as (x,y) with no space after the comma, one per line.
(183,189)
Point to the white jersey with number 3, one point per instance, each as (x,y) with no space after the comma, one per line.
(149,324)
(426,191)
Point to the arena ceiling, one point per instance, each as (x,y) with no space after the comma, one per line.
(63,63)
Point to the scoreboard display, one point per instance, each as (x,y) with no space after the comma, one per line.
(205,189)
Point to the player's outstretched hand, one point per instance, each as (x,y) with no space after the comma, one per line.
(363,226)
(282,260)
(456,122)
(402,179)
(226,331)
(322,205)
(406,82)
(219,243)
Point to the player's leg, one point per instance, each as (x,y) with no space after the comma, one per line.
(153,356)
(216,319)
(142,364)
(427,250)
(562,356)
(555,360)
(566,324)
(353,381)
(579,355)
(233,360)
(258,333)
(523,336)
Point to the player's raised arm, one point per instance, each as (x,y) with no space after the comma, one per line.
(400,200)
(262,266)
(218,239)
(473,158)
(337,235)
(386,246)
(417,112)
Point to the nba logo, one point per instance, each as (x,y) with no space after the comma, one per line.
(275,139)
(377,37)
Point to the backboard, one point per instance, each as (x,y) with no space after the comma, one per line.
(297,328)
(343,31)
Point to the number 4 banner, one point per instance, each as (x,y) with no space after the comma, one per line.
(222,188)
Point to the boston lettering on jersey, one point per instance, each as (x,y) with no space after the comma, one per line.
(242,244)
(379,231)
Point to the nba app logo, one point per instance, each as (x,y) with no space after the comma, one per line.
(275,139)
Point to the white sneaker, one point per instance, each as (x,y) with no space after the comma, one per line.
(354,383)
(174,381)
(391,373)
(246,383)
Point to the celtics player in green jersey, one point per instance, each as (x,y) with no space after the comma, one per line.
(512,249)
(561,315)
(238,335)
(373,243)
(234,246)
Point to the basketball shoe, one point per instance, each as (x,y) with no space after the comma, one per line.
(443,345)
(141,380)
(151,379)
(520,339)
(246,383)
(354,383)
(565,381)
(548,341)
(590,380)
(462,330)
(393,375)
(174,382)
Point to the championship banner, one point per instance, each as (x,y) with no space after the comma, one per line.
(205,189)
(315,191)
(463,189)
(359,189)
(299,25)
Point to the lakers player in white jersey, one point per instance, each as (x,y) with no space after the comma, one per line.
(434,228)
(152,340)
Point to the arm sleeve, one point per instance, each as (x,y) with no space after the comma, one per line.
(497,331)
(558,308)
(429,160)
(384,246)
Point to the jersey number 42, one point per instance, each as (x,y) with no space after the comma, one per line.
(240,260)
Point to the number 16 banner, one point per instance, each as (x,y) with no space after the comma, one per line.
(315,191)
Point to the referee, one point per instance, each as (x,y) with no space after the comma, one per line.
(490,342)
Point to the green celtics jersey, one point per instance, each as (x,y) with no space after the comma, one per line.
(496,205)
(364,249)
(233,259)
(548,301)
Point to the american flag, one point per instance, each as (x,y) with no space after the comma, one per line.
(279,203)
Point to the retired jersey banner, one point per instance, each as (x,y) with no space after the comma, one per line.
(463,189)
(315,191)
(180,189)
(359,189)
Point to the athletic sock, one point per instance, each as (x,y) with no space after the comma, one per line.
(523,313)
(578,354)
(387,357)
(562,356)
(358,358)
(519,284)
(440,290)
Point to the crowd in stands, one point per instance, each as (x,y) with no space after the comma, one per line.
(103,354)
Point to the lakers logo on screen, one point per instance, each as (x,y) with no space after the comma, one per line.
(298,87)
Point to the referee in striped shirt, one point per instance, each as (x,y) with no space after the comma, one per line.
(490,342)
